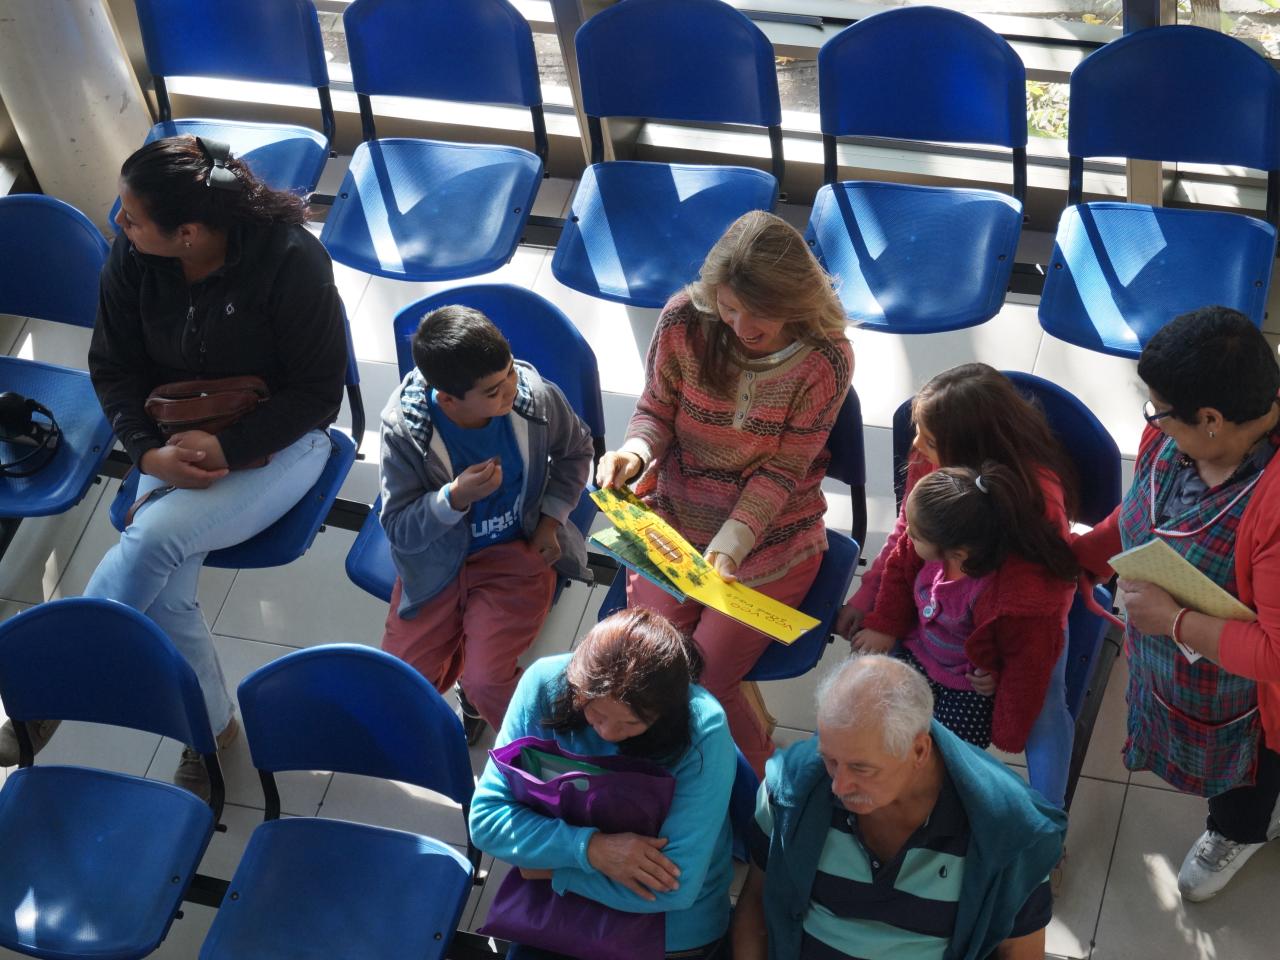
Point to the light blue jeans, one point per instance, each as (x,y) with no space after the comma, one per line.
(1052,735)
(155,567)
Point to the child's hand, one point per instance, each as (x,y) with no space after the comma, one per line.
(872,641)
(849,621)
(984,684)
(617,468)
(530,874)
(475,483)
(724,565)
(544,540)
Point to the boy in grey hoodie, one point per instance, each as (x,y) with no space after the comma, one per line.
(482,463)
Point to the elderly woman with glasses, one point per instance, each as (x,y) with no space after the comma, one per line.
(1204,693)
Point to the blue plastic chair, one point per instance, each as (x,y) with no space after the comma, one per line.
(424,209)
(1120,271)
(268,41)
(539,333)
(835,574)
(319,887)
(638,232)
(916,259)
(292,535)
(96,862)
(52,256)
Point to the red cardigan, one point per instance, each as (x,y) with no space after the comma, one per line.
(1246,649)
(1018,627)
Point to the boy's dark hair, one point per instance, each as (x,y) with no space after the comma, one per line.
(987,515)
(455,346)
(1211,357)
(638,658)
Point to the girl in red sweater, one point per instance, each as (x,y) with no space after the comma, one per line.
(965,416)
(977,591)
(744,378)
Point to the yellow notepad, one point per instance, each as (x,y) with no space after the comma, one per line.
(1157,562)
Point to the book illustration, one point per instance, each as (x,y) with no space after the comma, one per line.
(1157,562)
(673,564)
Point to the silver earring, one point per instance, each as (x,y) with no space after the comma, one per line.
(1211,433)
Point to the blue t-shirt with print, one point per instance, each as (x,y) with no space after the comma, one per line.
(495,518)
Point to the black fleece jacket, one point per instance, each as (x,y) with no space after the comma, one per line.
(271,310)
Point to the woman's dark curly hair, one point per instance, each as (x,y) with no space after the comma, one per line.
(639,659)
(171,179)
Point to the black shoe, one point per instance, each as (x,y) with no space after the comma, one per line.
(472,723)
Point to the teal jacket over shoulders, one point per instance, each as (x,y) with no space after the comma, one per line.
(1015,839)
(697,827)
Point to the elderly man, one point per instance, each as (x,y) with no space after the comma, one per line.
(887,836)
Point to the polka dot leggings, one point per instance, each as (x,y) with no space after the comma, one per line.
(965,713)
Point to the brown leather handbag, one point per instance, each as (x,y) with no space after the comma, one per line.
(208,405)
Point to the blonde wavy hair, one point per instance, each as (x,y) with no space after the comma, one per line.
(769,267)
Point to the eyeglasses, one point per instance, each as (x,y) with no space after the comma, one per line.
(1150,415)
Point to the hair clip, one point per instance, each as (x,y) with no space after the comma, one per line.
(980,484)
(220,176)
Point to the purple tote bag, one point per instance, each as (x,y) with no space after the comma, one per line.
(626,795)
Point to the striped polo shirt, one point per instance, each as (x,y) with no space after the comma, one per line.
(902,909)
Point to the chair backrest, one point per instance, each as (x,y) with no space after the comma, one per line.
(51,255)
(677,60)
(538,332)
(846,445)
(742,807)
(1176,93)
(479,51)
(923,73)
(1086,441)
(354,709)
(270,41)
(100,661)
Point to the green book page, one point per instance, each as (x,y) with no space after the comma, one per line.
(546,766)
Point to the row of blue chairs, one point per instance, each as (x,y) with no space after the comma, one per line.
(911,259)
(97,863)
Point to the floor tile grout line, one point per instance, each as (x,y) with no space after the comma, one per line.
(1106,880)
(102,491)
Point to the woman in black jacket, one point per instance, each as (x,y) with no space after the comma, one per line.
(213,276)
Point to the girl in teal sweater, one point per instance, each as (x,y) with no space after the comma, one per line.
(629,688)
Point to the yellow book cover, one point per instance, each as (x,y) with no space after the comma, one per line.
(691,575)
(1157,562)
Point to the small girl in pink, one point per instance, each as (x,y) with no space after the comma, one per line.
(976,590)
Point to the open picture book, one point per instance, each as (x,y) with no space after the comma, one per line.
(647,544)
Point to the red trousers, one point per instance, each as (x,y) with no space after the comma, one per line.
(475,629)
(729,649)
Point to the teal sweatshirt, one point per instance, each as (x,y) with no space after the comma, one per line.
(1014,841)
(697,827)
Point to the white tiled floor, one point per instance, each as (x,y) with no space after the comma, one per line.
(1128,833)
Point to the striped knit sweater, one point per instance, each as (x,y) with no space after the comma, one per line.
(739,474)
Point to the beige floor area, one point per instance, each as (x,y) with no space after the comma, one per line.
(1128,833)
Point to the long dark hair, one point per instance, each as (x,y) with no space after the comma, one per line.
(639,659)
(976,414)
(171,178)
(987,515)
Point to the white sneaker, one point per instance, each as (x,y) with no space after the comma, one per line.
(1210,864)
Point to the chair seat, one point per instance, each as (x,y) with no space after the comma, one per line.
(638,232)
(310,887)
(95,863)
(914,259)
(285,156)
(1120,271)
(428,210)
(86,439)
(286,539)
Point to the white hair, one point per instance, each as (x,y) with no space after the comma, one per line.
(877,689)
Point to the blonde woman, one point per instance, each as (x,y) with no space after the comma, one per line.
(745,374)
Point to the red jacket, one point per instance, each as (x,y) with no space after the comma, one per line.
(1246,649)
(1019,628)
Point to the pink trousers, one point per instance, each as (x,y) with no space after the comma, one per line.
(475,629)
(729,649)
